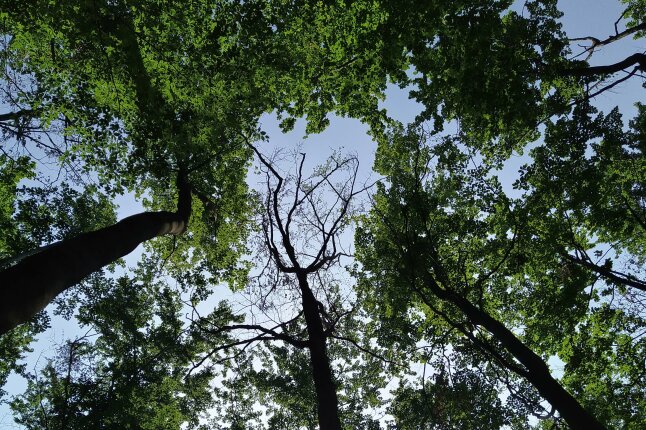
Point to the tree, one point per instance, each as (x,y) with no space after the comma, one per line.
(325,231)
(461,400)
(127,370)
(29,216)
(34,281)
(302,218)
(93,380)
(451,235)
(98,74)
(590,231)
(135,96)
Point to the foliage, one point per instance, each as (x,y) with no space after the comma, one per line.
(32,216)
(438,212)
(460,401)
(124,95)
(127,371)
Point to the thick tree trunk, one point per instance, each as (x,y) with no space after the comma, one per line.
(328,404)
(30,285)
(538,373)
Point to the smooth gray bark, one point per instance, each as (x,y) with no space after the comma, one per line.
(29,286)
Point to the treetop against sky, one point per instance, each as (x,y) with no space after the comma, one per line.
(487,156)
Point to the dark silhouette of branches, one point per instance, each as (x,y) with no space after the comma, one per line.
(596,43)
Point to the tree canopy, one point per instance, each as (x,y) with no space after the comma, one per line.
(465,299)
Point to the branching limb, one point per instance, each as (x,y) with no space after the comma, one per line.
(367,351)
(606,272)
(596,43)
(637,59)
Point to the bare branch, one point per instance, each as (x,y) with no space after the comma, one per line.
(225,347)
(369,352)
(597,43)
(299,343)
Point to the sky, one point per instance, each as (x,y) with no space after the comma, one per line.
(582,18)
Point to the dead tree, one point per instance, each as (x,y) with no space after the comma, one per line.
(301,221)
(301,232)
(294,297)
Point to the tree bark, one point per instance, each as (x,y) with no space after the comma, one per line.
(23,113)
(537,371)
(29,286)
(607,273)
(328,403)
(635,59)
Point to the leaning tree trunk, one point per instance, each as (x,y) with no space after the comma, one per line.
(537,371)
(328,403)
(30,285)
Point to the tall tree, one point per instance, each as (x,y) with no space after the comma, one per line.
(449,234)
(302,219)
(127,93)
(32,282)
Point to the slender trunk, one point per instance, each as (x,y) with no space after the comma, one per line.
(30,285)
(609,274)
(538,373)
(328,404)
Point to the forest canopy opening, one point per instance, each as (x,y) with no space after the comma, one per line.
(476,264)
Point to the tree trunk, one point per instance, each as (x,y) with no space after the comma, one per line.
(328,404)
(537,374)
(30,285)
(607,273)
